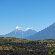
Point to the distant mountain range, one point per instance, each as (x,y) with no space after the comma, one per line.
(21,34)
(47,33)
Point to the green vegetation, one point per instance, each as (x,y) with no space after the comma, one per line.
(15,46)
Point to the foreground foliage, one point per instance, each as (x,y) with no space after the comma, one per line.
(15,46)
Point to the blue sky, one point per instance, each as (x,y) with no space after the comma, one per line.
(37,14)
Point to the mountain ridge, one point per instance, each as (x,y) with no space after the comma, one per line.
(47,33)
(21,33)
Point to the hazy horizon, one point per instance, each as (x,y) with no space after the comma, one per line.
(35,14)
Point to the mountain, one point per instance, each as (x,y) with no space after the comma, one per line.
(15,33)
(29,33)
(20,33)
(47,33)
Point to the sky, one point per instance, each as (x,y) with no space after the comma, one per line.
(34,14)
